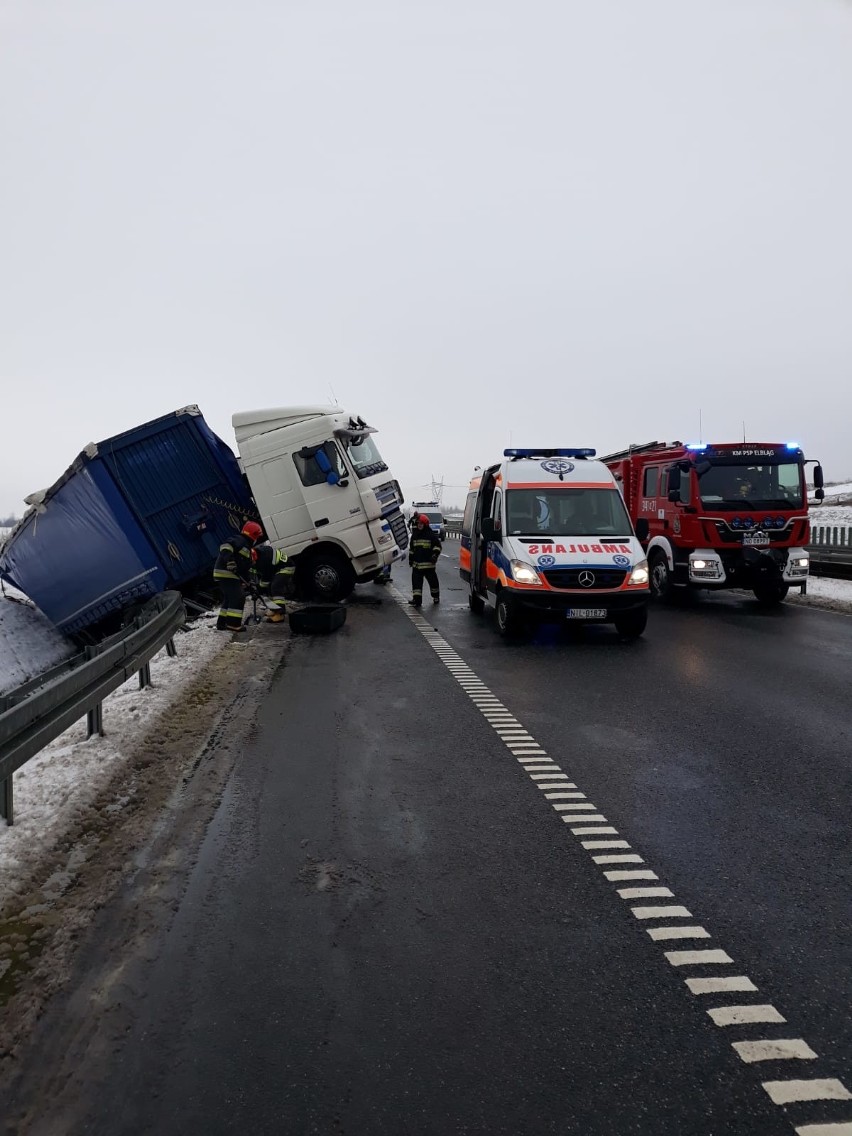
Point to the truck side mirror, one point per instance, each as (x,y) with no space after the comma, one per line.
(643,529)
(820,494)
(489,529)
(818,478)
(674,495)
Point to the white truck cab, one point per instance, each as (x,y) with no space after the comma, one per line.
(546,538)
(324,494)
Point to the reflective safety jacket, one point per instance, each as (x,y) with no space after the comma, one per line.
(234,559)
(424,549)
(269,562)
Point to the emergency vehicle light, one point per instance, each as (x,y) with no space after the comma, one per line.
(793,446)
(697,446)
(561,453)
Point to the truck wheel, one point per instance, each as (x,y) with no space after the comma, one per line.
(328,577)
(769,595)
(661,577)
(509,622)
(476,603)
(631,624)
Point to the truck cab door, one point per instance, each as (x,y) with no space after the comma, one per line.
(332,501)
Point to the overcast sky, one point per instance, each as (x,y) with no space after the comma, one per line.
(473,222)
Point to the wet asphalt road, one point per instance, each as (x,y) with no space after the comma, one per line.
(390,931)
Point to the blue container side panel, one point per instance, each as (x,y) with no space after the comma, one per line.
(84,556)
(181,489)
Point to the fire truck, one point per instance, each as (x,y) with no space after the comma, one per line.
(731,515)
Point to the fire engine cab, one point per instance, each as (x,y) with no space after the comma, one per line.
(732,515)
(546,539)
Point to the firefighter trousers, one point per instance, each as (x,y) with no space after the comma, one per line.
(418,575)
(233,603)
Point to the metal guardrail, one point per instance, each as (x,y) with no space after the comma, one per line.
(452,528)
(35,713)
(831,550)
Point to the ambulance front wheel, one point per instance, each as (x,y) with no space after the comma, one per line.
(631,624)
(476,603)
(509,622)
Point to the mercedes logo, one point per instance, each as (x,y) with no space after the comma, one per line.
(586,579)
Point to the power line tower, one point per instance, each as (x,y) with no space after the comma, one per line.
(438,490)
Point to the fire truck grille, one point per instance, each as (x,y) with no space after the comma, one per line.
(570,578)
(735,536)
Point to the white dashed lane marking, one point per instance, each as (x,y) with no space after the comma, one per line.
(587,822)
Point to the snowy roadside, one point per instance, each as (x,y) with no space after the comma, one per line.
(825,593)
(59,786)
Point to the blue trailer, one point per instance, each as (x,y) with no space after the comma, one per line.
(136,514)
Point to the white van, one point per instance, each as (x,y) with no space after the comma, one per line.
(546,538)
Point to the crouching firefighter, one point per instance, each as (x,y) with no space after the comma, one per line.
(275,579)
(232,572)
(423,553)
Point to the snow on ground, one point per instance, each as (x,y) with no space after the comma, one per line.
(840,515)
(832,595)
(59,785)
(29,643)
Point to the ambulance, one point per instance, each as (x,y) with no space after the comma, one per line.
(546,538)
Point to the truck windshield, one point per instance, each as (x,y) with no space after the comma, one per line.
(567,512)
(776,485)
(364,455)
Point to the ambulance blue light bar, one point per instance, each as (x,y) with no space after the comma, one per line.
(562,453)
(696,446)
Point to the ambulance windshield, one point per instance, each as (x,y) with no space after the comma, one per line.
(567,512)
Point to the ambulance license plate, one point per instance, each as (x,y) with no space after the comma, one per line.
(586,613)
(756,539)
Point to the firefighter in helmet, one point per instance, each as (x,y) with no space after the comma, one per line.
(423,553)
(232,572)
(274,576)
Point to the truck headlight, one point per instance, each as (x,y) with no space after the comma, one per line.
(639,575)
(524,573)
(699,564)
(802,561)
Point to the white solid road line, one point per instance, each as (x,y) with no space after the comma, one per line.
(776,1049)
(576,810)
(745,1015)
(786,1092)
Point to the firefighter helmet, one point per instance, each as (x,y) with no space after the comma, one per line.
(252,530)
(423,520)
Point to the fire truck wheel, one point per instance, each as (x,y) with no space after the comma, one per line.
(476,603)
(509,622)
(631,624)
(768,595)
(661,577)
